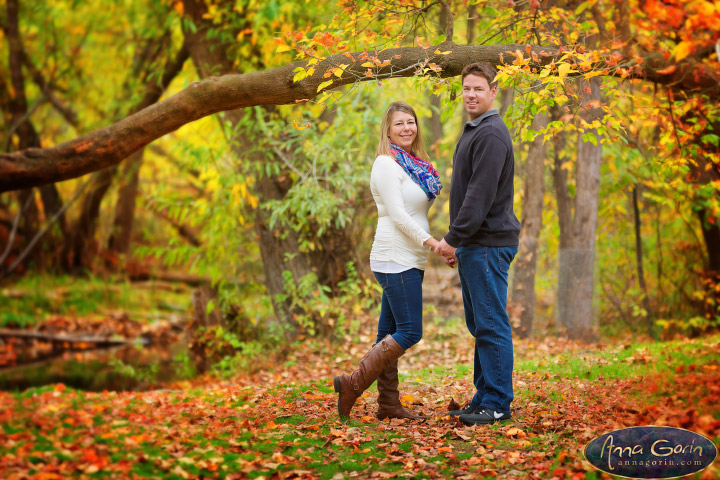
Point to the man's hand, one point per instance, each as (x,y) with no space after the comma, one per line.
(443,249)
(449,261)
(446,253)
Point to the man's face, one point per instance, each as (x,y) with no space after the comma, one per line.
(477,95)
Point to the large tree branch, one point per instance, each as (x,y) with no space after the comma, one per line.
(110,145)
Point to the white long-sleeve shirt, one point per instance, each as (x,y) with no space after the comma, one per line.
(402,226)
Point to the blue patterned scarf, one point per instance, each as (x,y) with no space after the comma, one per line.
(422,172)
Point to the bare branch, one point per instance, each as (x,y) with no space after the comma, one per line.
(13,231)
(68,113)
(44,230)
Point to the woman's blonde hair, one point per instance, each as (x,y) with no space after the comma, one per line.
(417,147)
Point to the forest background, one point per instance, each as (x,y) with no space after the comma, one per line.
(117,167)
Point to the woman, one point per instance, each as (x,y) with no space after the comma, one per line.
(403,186)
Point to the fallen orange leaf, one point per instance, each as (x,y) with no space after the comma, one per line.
(667,71)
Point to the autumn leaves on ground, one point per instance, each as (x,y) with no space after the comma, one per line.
(279,420)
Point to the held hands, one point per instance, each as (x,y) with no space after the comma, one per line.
(449,261)
(444,251)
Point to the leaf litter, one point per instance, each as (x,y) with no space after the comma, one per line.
(281,420)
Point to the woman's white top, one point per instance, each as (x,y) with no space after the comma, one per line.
(402,226)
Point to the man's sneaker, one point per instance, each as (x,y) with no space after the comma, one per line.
(484,416)
(468,409)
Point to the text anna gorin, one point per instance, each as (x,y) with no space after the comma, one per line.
(651,452)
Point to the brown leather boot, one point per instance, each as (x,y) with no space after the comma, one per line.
(389,405)
(375,361)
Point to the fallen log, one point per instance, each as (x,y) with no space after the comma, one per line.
(62,338)
(193,280)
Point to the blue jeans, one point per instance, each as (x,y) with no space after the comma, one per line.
(401,308)
(484,281)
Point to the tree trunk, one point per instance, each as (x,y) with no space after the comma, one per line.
(576,263)
(28,138)
(121,235)
(199,323)
(639,259)
(711,276)
(472,12)
(523,288)
(31,216)
(711,235)
(435,126)
(562,195)
(80,251)
(82,247)
(52,202)
(279,248)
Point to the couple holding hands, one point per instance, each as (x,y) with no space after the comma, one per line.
(482,240)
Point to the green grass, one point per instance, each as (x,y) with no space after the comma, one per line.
(44,295)
(620,362)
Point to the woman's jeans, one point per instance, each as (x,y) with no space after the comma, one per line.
(484,281)
(401,308)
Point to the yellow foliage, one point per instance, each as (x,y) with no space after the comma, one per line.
(340,70)
(682,50)
(324,85)
(564,69)
(300,74)
(212,12)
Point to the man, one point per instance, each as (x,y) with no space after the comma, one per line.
(483,235)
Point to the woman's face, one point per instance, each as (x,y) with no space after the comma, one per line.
(403,130)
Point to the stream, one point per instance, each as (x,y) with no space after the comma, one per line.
(125,367)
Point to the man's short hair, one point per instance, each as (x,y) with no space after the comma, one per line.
(481,69)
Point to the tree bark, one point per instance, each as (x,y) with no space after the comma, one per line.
(435,126)
(82,247)
(562,195)
(639,258)
(121,235)
(279,248)
(27,135)
(210,57)
(576,263)
(523,288)
(110,145)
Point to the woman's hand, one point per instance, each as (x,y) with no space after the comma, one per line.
(432,243)
(449,260)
